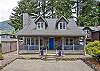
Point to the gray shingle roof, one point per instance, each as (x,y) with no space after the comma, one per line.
(96,28)
(72,29)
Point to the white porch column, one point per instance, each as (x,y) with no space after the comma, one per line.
(39,43)
(17,46)
(73,46)
(84,45)
(63,45)
(68,41)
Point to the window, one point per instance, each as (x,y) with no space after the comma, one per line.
(37,41)
(62,25)
(5,36)
(76,41)
(27,41)
(40,25)
(41,42)
(88,33)
(66,41)
(32,41)
(71,41)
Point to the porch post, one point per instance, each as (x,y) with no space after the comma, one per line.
(84,45)
(39,43)
(63,45)
(68,41)
(73,44)
(17,46)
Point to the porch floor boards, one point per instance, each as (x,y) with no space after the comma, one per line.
(64,57)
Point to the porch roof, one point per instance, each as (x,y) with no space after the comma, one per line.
(74,32)
(72,29)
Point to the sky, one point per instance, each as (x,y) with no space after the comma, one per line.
(6,7)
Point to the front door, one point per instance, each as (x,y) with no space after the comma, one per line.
(51,43)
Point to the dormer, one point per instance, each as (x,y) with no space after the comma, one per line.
(41,23)
(61,24)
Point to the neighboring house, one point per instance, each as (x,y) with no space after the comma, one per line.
(7,37)
(6,30)
(92,33)
(51,33)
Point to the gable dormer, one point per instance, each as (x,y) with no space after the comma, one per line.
(61,24)
(41,23)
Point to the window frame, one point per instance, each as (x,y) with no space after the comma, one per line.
(40,25)
(62,25)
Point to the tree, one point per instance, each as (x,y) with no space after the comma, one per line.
(93,48)
(63,7)
(98,12)
(46,8)
(87,13)
(24,6)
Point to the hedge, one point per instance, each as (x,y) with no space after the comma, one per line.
(93,49)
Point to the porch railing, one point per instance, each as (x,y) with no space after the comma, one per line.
(73,47)
(66,47)
(29,47)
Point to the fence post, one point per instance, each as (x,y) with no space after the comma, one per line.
(17,47)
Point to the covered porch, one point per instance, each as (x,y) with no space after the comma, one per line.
(33,44)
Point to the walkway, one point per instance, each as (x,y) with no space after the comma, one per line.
(9,57)
(40,65)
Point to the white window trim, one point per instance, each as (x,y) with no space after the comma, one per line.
(40,26)
(62,26)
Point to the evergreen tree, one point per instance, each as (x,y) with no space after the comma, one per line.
(88,13)
(45,8)
(24,6)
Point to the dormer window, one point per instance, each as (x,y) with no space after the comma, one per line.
(40,25)
(62,25)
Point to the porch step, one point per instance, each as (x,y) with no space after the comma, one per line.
(51,52)
(50,57)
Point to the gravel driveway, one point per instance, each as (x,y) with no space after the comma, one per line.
(39,65)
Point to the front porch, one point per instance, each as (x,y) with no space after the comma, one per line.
(69,45)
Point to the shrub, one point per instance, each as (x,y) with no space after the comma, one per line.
(93,48)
